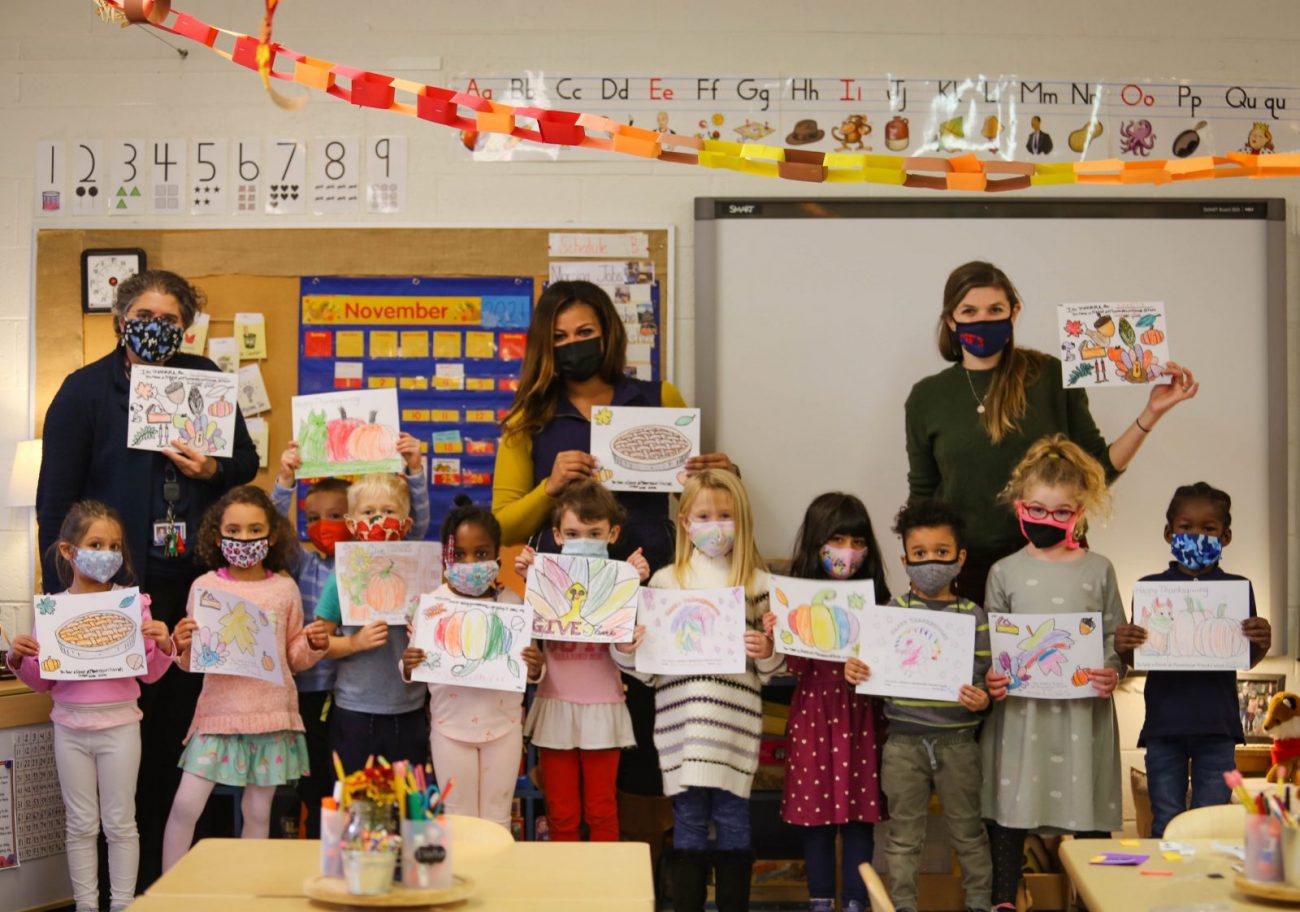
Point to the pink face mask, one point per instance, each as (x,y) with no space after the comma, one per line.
(842,563)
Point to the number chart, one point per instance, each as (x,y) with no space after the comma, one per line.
(451,347)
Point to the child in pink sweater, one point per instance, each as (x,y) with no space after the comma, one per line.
(246,731)
(97,723)
(475,736)
(579,721)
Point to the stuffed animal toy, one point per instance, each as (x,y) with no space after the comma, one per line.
(1283,724)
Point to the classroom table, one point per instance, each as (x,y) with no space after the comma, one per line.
(266,875)
(1192,880)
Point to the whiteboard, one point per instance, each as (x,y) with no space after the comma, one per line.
(814,318)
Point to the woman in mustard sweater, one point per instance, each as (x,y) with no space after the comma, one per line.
(970,424)
(574,361)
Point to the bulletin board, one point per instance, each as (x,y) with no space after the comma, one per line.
(242,270)
(450,347)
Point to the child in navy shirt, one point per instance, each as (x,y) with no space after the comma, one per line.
(1192,717)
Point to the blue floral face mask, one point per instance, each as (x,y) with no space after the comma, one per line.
(472,579)
(1196,552)
(585,547)
(152,340)
(101,566)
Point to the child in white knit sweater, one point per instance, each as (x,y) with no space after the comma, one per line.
(707,727)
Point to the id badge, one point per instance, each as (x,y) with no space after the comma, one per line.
(163,530)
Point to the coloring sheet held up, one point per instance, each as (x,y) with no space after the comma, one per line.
(1192,625)
(643,449)
(235,637)
(820,619)
(582,599)
(90,637)
(692,631)
(1105,346)
(1046,655)
(471,642)
(917,652)
(167,405)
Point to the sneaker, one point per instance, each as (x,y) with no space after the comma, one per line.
(856,905)
(821,905)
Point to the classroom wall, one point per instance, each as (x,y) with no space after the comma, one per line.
(63,74)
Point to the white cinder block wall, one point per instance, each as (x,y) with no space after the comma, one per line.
(64,74)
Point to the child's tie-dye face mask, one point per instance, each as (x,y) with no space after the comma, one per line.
(714,539)
(1196,552)
(472,579)
(842,563)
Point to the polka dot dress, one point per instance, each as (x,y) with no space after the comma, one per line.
(832,766)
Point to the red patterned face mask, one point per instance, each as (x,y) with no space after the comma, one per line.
(387,529)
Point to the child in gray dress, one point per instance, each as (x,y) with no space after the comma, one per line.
(1052,764)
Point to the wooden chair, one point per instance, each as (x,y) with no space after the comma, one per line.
(1220,821)
(880,901)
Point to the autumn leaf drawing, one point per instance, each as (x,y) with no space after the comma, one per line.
(238,627)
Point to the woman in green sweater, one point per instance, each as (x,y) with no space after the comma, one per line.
(970,424)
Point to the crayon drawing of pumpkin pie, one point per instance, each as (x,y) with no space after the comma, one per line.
(96,635)
(650,448)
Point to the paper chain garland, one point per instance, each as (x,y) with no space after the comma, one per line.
(467,112)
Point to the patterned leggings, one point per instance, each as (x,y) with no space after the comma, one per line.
(1007,846)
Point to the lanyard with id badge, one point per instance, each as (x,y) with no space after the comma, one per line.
(168,532)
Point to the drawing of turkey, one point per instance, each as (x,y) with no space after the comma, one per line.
(578,595)
(1044,648)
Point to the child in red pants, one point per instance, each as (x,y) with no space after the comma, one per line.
(578,721)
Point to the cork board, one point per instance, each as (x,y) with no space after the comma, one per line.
(258,270)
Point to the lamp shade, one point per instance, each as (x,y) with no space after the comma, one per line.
(26,470)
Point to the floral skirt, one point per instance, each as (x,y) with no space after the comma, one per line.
(271,758)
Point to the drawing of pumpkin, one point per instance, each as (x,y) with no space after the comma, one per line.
(386,591)
(1182,634)
(821,625)
(372,441)
(1219,636)
(221,408)
(337,433)
(476,636)
(51,664)
(1079,678)
(1152,337)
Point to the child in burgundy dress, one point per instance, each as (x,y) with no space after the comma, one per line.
(832,764)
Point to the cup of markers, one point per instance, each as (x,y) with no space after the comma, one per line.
(1272,841)
(426,833)
(371,842)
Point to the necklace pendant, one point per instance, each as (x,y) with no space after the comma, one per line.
(980,408)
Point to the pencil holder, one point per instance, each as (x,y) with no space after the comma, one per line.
(426,853)
(1263,847)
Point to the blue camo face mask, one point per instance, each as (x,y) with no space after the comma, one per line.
(1196,552)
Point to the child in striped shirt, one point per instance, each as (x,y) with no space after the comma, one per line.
(707,727)
(931,744)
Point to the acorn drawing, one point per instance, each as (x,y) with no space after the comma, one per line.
(1087,625)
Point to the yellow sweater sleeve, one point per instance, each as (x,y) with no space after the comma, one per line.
(670,397)
(521,506)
